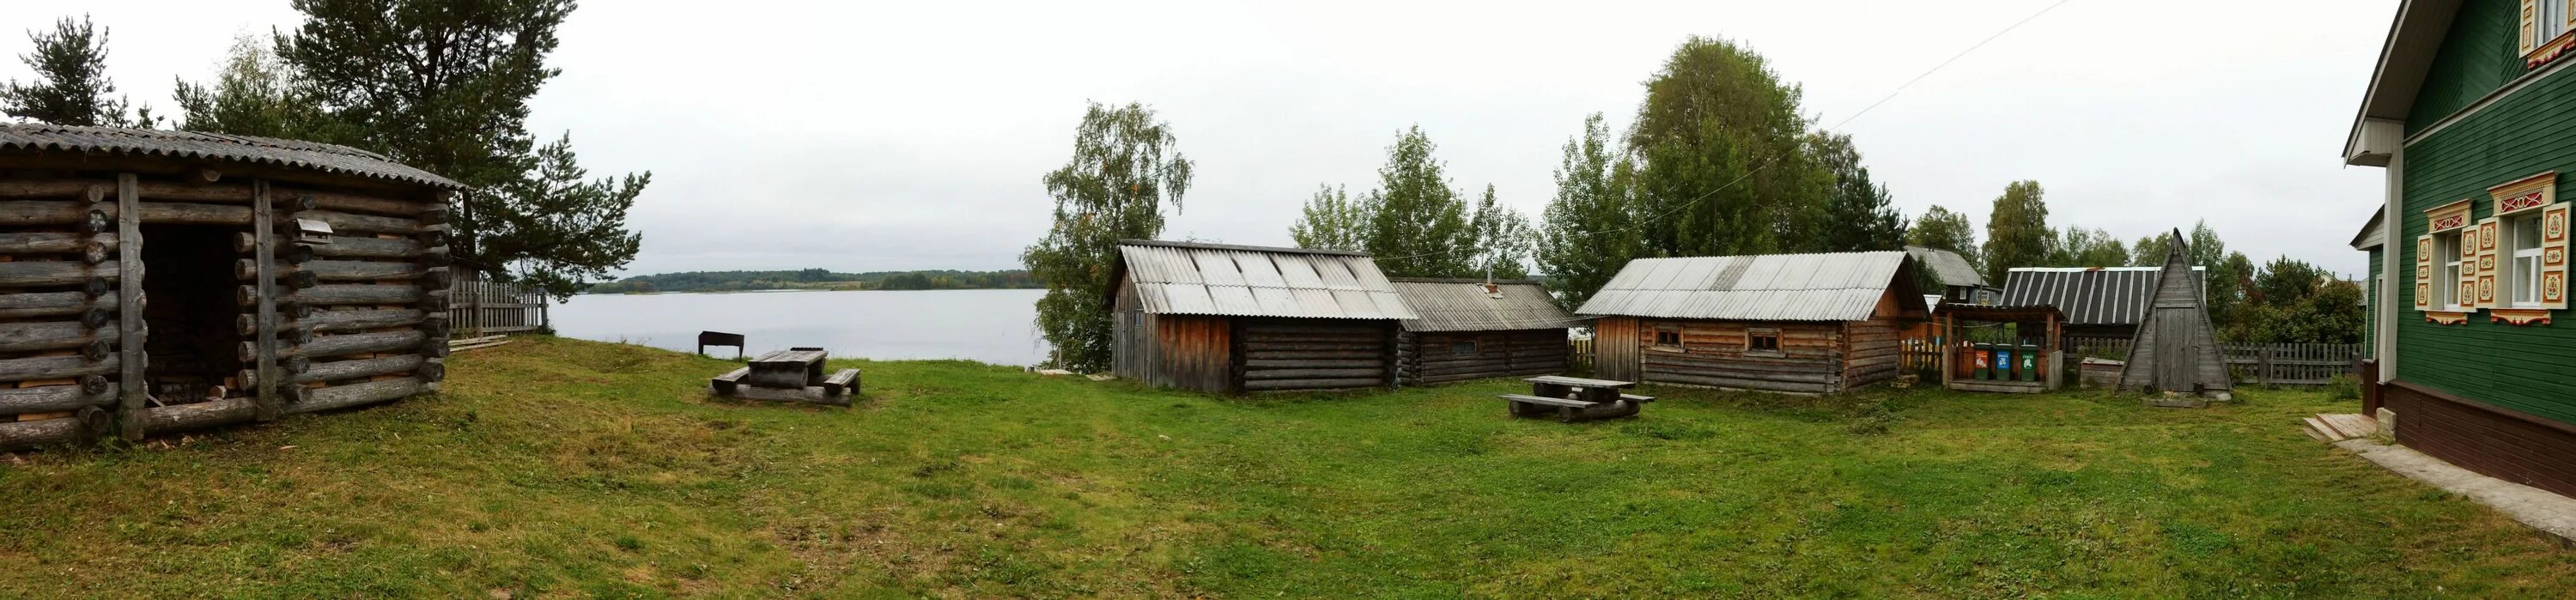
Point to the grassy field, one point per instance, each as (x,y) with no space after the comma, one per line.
(559,468)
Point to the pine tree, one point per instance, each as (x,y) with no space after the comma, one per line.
(1859,215)
(71,86)
(1126,165)
(444,86)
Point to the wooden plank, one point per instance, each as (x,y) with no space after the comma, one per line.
(356,394)
(129,311)
(1578,381)
(725,384)
(841,382)
(1545,400)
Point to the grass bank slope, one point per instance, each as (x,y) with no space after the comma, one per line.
(561,468)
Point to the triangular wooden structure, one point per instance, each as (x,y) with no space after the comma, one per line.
(2176,350)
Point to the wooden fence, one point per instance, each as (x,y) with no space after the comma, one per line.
(476,308)
(1578,354)
(2260,364)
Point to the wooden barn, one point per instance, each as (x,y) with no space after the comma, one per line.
(153,281)
(1235,319)
(1810,323)
(1474,329)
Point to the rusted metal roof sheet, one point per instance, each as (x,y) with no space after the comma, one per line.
(2103,296)
(1844,286)
(215,146)
(1949,266)
(1177,278)
(1465,305)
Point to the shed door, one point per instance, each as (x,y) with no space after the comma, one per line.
(2177,358)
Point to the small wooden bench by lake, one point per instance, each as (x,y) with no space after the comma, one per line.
(1574,399)
(788,376)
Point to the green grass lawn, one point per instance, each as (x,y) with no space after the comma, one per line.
(559,468)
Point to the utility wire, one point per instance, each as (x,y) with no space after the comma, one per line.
(1774,158)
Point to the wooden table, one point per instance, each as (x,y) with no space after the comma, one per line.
(1573,399)
(787,369)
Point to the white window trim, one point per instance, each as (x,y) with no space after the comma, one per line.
(2517,274)
(2446,271)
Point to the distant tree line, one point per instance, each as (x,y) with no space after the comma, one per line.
(809,279)
(434,84)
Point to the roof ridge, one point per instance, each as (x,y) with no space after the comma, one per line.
(1246,248)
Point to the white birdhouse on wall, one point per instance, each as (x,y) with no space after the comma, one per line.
(312,232)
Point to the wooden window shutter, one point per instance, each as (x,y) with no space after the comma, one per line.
(2424,272)
(2553,256)
(2530,27)
(2487,236)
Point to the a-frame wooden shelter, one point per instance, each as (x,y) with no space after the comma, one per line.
(2176,349)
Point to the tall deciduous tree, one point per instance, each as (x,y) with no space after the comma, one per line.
(1724,167)
(444,86)
(71,85)
(1418,225)
(255,93)
(1589,231)
(1946,230)
(1859,215)
(1126,165)
(2082,247)
(1502,239)
(2017,233)
(1332,221)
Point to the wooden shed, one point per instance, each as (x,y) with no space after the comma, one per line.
(154,281)
(1234,319)
(1474,329)
(2177,348)
(1810,323)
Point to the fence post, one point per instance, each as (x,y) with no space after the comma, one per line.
(2263,366)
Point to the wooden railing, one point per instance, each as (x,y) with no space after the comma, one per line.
(2291,364)
(476,307)
(1578,354)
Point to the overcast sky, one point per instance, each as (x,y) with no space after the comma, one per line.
(886,136)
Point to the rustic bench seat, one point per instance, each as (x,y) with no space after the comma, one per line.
(1636,398)
(1546,400)
(845,381)
(726,383)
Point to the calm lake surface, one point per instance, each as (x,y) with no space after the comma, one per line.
(993,326)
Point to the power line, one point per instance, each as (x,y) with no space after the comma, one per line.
(1769,160)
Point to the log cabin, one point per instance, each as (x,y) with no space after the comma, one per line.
(1474,329)
(1233,319)
(1803,323)
(159,281)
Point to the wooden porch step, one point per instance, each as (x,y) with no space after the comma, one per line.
(2340,427)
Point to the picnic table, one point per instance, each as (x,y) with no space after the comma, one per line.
(1572,399)
(794,375)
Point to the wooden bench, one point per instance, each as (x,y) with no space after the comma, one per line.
(1527,399)
(724,385)
(842,382)
(1636,398)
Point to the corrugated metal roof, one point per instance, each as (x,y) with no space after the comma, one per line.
(1178,278)
(1464,305)
(2107,296)
(1843,286)
(188,144)
(1949,266)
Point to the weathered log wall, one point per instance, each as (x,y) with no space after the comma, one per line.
(1810,358)
(247,324)
(1275,354)
(1445,356)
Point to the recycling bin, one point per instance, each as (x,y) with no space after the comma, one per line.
(2029,362)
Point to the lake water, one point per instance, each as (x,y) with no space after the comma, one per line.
(993,326)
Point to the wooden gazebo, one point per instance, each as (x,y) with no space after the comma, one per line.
(2028,361)
(154,281)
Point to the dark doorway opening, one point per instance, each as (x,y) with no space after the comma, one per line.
(191,311)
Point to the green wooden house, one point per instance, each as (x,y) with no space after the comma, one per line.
(2472,114)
